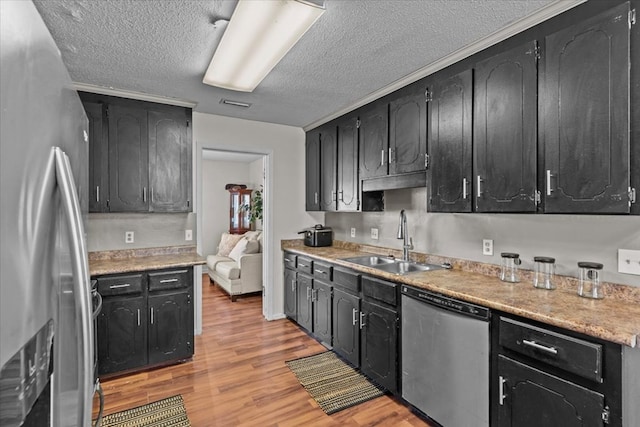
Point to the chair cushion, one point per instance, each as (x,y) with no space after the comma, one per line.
(213,260)
(244,246)
(227,243)
(228,269)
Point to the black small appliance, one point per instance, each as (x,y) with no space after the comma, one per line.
(317,236)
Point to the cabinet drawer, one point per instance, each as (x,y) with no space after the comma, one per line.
(380,290)
(571,354)
(174,279)
(322,271)
(305,265)
(346,278)
(120,285)
(289,260)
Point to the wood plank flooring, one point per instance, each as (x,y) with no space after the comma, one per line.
(238,376)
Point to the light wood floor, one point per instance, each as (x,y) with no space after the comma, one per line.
(238,376)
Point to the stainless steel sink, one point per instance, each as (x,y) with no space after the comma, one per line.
(370,260)
(392,265)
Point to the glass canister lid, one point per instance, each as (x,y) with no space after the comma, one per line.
(544,259)
(509,255)
(590,265)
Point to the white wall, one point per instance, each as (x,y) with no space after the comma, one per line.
(568,238)
(215,199)
(284,213)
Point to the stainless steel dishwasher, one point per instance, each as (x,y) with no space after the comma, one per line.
(445,358)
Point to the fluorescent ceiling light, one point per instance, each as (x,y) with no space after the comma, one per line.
(258,36)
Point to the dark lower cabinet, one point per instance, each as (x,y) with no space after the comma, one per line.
(304,316)
(146,319)
(379,340)
(346,329)
(122,334)
(170,326)
(290,294)
(532,398)
(321,300)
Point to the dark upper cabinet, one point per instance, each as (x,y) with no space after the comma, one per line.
(346,332)
(312,171)
(98,157)
(170,326)
(586,116)
(348,194)
(328,167)
(505,136)
(374,141)
(169,161)
(449,144)
(128,159)
(122,334)
(408,133)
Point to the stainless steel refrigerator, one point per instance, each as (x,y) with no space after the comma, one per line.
(46,331)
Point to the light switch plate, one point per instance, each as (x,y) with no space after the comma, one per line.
(128,237)
(629,261)
(374,233)
(353,232)
(188,235)
(487,247)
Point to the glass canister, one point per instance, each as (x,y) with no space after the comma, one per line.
(509,267)
(543,272)
(589,280)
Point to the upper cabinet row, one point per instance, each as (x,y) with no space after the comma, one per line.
(541,127)
(139,155)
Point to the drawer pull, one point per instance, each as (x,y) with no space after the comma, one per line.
(124,285)
(501,394)
(550,350)
(319,271)
(168,280)
(302,265)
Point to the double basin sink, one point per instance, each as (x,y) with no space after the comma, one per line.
(393,265)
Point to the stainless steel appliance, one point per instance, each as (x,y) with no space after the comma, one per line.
(317,235)
(445,358)
(46,335)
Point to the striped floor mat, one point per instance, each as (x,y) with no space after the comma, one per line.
(167,412)
(332,383)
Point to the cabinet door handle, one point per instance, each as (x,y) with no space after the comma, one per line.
(382,158)
(550,350)
(293,285)
(152,315)
(168,280)
(501,395)
(308,294)
(354,319)
(144,194)
(391,156)
(549,175)
(341,195)
(316,197)
(479,183)
(362,324)
(138,317)
(464,188)
(124,285)
(98,194)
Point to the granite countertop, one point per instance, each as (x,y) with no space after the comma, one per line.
(125,261)
(615,318)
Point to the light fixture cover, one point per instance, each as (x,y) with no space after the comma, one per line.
(258,36)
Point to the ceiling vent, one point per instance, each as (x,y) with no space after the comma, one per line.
(235,103)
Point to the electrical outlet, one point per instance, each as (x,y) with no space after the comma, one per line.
(629,261)
(374,233)
(128,237)
(353,232)
(487,247)
(188,235)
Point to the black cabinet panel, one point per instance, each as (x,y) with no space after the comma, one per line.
(328,168)
(122,334)
(380,345)
(304,303)
(322,328)
(586,115)
(374,141)
(346,331)
(128,159)
(504,140)
(290,294)
(348,196)
(98,157)
(169,161)
(450,112)
(408,133)
(312,171)
(170,327)
(532,398)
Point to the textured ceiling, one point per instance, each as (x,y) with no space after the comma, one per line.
(356,48)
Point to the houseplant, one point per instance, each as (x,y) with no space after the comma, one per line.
(255,207)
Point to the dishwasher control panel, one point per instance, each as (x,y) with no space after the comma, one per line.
(447,303)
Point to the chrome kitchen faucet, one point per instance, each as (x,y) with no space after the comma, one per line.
(407,243)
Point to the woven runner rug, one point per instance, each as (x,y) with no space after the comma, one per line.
(333,383)
(167,412)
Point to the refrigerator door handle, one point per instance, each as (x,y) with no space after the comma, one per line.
(80,267)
